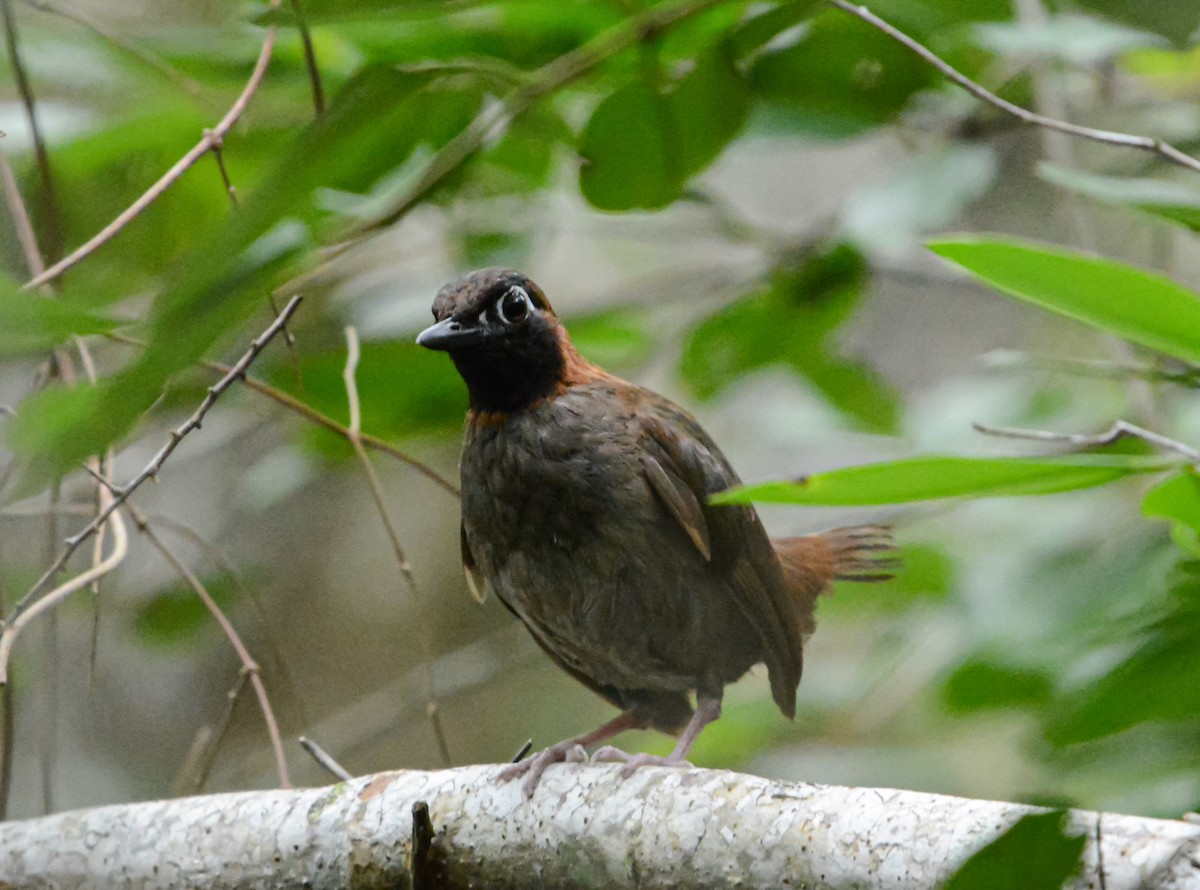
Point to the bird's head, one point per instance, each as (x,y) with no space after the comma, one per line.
(504,338)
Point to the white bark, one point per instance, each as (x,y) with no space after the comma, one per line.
(584,827)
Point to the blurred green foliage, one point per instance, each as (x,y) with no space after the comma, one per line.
(519,106)
(1034,854)
(175,615)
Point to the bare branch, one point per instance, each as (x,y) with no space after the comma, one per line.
(206,144)
(312,414)
(659,828)
(552,76)
(270,643)
(207,742)
(432,708)
(218,153)
(50,203)
(249,665)
(1119,430)
(1007,359)
(310,59)
(321,756)
(1109,137)
(20,216)
(17,621)
(121,494)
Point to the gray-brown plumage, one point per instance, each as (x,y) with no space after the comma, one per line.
(584,507)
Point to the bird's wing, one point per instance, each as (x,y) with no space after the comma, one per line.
(476,583)
(683,467)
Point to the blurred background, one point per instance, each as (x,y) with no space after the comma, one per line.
(727,205)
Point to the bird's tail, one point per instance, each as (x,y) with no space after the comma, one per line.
(813,562)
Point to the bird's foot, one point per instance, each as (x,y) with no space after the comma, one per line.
(569,751)
(633,761)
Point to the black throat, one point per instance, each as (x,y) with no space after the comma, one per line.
(512,375)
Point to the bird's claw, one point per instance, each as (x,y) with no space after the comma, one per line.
(611,754)
(533,767)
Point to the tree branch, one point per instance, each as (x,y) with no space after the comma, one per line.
(660,828)
(24,610)
(53,220)
(249,666)
(1109,137)
(550,77)
(310,59)
(211,138)
(1120,429)
(312,414)
(432,708)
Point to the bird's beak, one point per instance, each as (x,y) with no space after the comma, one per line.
(450,334)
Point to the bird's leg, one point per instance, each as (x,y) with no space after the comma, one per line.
(568,750)
(708,709)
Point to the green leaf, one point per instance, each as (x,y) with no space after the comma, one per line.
(707,109)
(1158,681)
(1140,306)
(1174,201)
(793,322)
(933,477)
(370,128)
(761,29)
(925,574)
(984,684)
(175,616)
(523,159)
(844,77)
(1177,498)
(404,390)
(1035,854)
(30,323)
(642,145)
(627,162)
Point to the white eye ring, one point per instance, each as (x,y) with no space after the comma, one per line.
(513,308)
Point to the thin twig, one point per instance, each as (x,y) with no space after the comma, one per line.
(20,217)
(7,722)
(209,139)
(202,753)
(18,618)
(523,751)
(47,721)
(249,665)
(102,472)
(1005,359)
(21,617)
(550,77)
(1119,430)
(218,153)
(310,58)
(323,758)
(312,414)
(420,870)
(1109,137)
(264,626)
(432,708)
(50,198)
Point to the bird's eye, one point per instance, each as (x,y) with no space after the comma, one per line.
(513,307)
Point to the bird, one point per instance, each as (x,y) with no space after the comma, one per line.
(585,508)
